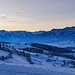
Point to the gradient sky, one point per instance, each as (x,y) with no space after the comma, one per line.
(34,15)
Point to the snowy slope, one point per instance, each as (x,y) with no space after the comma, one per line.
(18,65)
(6,69)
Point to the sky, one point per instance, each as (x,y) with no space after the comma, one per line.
(35,15)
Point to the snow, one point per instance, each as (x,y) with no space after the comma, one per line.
(22,46)
(4,53)
(18,65)
(62,44)
(6,69)
(17,60)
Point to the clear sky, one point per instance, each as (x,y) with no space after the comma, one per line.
(34,15)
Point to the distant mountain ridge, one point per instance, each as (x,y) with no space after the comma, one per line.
(65,35)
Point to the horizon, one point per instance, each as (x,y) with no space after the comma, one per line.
(31,15)
(38,30)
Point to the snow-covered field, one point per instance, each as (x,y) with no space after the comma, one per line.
(14,69)
(18,65)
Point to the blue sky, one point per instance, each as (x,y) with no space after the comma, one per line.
(34,15)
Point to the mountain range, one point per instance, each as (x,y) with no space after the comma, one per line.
(32,53)
(63,36)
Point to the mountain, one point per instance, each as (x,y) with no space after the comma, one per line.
(35,58)
(61,37)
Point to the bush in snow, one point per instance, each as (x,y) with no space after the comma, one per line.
(2,58)
(28,56)
(72,62)
(37,55)
(34,50)
(48,60)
